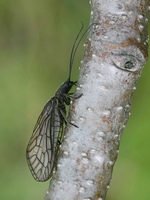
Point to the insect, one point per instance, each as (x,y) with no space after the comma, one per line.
(43,148)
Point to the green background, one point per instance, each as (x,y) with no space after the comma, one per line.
(35,43)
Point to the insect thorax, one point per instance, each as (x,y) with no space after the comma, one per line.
(62,92)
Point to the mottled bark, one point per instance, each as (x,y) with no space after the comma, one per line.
(115,52)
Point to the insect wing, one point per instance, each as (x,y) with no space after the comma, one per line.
(43,147)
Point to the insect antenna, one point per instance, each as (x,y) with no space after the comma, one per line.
(75,47)
(73,51)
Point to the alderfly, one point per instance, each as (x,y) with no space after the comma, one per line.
(43,147)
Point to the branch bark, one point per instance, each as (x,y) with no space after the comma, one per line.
(115,52)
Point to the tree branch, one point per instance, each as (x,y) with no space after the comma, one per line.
(115,53)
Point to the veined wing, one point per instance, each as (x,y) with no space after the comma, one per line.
(43,147)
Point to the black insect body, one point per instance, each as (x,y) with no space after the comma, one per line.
(43,148)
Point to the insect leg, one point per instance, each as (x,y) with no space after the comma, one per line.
(72,97)
(65,118)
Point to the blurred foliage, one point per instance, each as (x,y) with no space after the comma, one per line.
(33,35)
